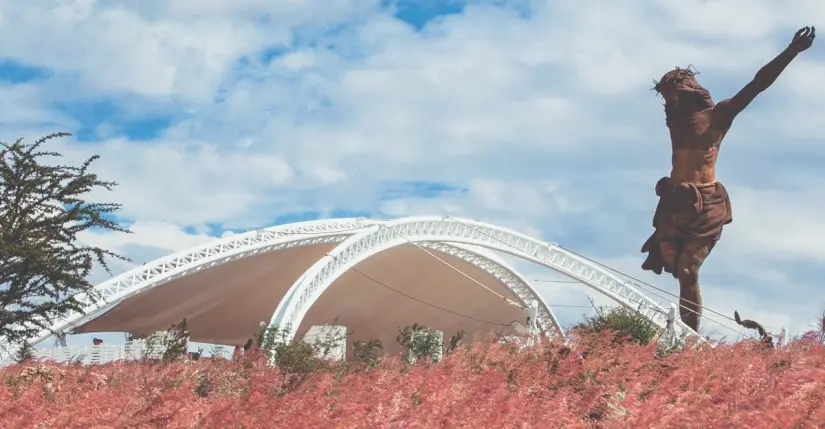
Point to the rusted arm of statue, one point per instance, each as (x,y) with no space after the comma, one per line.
(727,110)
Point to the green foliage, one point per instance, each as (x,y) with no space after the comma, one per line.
(204,386)
(25,353)
(420,343)
(295,359)
(671,345)
(216,352)
(164,346)
(197,355)
(153,347)
(42,209)
(176,342)
(626,324)
(267,337)
(455,341)
(368,352)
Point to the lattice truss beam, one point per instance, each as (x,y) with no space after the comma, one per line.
(451,230)
(507,275)
(360,238)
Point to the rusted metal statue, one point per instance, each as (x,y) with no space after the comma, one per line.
(693,206)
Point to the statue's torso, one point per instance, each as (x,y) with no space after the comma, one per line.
(695,144)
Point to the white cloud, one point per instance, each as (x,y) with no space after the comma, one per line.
(546,120)
(168,237)
(26,105)
(800,77)
(782,224)
(723,20)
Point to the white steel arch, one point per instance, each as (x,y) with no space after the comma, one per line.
(190,261)
(198,258)
(387,235)
(507,275)
(480,257)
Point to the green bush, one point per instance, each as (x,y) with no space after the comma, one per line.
(626,324)
(176,342)
(368,352)
(295,359)
(25,353)
(455,341)
(420,343)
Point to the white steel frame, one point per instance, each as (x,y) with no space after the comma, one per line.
(429,230)
(360,238)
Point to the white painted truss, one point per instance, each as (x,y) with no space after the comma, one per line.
(433,232)
(198,258)
(286,316)
(359,239)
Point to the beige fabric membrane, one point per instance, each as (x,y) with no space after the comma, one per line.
(224,304)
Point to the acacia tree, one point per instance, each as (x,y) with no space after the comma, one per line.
(42,263)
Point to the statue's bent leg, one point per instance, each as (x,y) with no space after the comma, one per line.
(669,241)
(693,254)
(670,253)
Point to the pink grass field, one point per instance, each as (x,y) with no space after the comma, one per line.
(742,385)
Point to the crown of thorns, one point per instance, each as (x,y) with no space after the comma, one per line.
(676,75)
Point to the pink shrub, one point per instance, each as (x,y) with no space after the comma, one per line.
(591,384)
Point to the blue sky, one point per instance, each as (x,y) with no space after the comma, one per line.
(220,116)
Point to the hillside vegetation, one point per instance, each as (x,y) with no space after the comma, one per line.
(593,381)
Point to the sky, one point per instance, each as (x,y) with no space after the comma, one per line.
(216,117)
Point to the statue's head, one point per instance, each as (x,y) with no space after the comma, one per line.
(683,94)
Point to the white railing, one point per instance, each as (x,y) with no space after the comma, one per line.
(94,354)
(135,350)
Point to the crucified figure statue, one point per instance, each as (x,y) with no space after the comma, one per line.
(693,206)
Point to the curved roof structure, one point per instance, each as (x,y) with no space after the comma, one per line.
(372,276)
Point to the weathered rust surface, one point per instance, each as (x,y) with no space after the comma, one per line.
(693,207)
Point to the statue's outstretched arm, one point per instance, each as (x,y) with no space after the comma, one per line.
(727,110)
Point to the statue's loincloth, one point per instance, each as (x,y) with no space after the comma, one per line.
(686,212)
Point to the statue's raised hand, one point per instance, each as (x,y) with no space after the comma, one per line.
(803,39)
